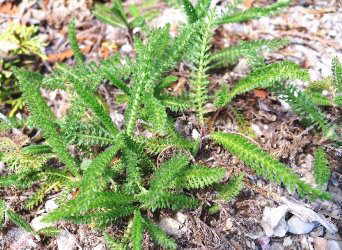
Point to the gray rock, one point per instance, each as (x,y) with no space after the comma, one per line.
(287,242)
(276,246)
(117,118)
(264,242)
(38,224)
(171,226)
(181,218)
(297,226)
(50,205)
(308,215)
(20,239)
(126,48)
(100,246)
(273,221)
(2,167)
(242,67)
(334,245)
(66,241)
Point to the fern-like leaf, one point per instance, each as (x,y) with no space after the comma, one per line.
(337,81)
(230,190)
(43,117)
(159,236)
(201,176)
(19,221)
(93,180)
(302,105)
(82,88)
(2,212)
(190,11)
(321,167)
(253,13)
(200,58)
(263,78)
(265,165)
(162,200)
(113,244)
(246,49)
(137,230)
(167,173)
(74,44)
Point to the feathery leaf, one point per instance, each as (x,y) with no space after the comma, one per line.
(265,165)
(263,77)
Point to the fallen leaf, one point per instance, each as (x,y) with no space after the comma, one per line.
(8,8)
(248,3)
(179,86)
(260,93)
(61,56)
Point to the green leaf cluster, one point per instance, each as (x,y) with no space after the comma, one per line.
(321,167)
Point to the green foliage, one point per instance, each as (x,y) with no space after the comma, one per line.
(265,165)
(114,16)
(8,213)
(18,39)
(190,11)
(159,236)
(137,230)
(113,244)
(43,117)
(73,43)
(199,176)
(49,231)
(246,49)
(263,77)
(19,47)
(2,212)
(200,59)
(321,167)
(302,104)
(229,191)
(337,81)
(253,13)
(133,16)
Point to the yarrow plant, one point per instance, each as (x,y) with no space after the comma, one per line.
(114,176)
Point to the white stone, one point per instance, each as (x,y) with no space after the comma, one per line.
(256,129)
(297,226)
(171,226)
(50,205)
(126,48)
(100,246)
(20,239)
(334,245)
(66,241)
(2,167)
(308,215)
(195,134)
(38,224)
(273,221)
(181,218)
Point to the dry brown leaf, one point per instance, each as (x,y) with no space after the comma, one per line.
(248,3)
(260,93)
(179,86)
(8,8)
(61,56)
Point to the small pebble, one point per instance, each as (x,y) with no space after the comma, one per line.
(297,226)
(66,241)
(38,224)
(171,226)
